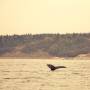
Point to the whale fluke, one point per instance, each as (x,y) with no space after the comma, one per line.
(52,67)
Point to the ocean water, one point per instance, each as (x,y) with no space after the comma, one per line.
(33,74)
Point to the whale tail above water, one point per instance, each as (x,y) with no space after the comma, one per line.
(52,67)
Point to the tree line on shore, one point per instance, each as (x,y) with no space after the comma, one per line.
(57,45)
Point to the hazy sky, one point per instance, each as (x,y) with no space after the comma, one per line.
(44,16)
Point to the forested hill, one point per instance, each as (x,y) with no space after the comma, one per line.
(45,45)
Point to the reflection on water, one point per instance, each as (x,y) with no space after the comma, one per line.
(30,74)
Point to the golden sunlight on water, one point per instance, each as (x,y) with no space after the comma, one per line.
(33,74)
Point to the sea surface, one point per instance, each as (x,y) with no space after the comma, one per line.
(33,74)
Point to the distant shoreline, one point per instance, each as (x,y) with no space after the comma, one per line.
(45,46)
(51,58)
